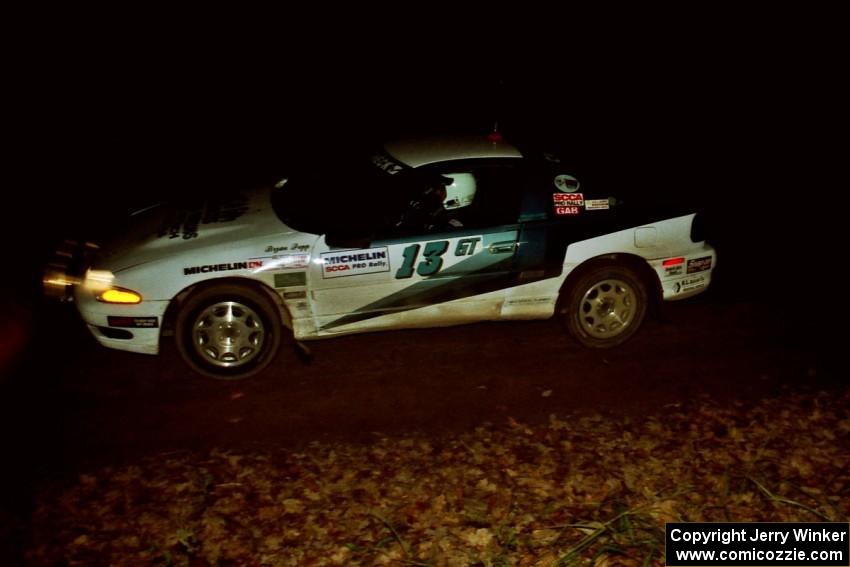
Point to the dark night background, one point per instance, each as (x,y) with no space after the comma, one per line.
(735,116)
(741,119)
(741,116)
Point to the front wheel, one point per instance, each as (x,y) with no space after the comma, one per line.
(605,306)
(228,332)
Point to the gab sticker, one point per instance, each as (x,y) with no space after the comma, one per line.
(568,204)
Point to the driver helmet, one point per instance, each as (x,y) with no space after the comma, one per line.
(461,191)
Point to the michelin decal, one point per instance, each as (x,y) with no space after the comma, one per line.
(255,265)
(355,262)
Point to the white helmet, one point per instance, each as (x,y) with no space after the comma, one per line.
(461,192)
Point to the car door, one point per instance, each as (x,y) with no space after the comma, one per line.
(427,270)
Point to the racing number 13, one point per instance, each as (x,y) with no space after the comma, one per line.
(431,262)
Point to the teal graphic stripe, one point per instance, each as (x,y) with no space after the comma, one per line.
(482,273)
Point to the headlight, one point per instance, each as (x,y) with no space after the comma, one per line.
(100,282)
(119,295)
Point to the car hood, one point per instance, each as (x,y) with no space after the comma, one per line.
(183,228)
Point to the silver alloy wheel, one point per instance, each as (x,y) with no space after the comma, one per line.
(607,308)
(228,334)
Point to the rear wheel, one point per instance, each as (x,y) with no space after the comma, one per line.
(228,331)
(605,307)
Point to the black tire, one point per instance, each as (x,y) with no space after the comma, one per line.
(228,331)
(605,306)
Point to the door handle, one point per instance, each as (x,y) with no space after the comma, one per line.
(502,247)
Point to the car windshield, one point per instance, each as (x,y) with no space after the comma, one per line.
(355,196)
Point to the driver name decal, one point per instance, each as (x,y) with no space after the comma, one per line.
(355,262)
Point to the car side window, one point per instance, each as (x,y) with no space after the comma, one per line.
(462,198)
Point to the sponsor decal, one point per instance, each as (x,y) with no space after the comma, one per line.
(386,164)
(694,282)
(566,183)
(568,203)
(287,260)
(567,210)
(133,322)
(290,279)
(597,204)
(355,262)
(210,268)
(284,261)
(674,270)
(699,264)
(184,223)
(576,199)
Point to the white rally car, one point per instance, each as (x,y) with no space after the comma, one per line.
(423,233)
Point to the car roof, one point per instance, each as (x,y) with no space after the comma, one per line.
(422,151)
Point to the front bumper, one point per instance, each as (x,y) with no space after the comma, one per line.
(134,328)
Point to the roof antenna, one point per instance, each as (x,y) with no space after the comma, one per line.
(495,136)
